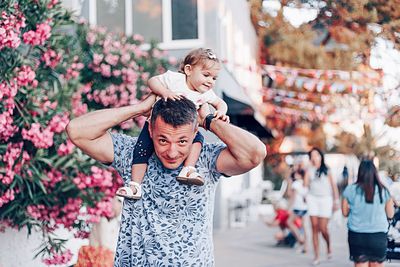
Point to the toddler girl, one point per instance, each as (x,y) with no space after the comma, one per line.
(195,81)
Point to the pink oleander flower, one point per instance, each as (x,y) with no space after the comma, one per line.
(46,105)
(65,149)
(26,76)
(7,197)
(172,60)
(112,59)
(53,177)
(8,90)
(129,75)
(58,123)
(7,129)
(10,158)
(38,37)
(138,37)
(97,58)
(40,138)
(10,29)
(105,70)
(52,3)
(51,58)
(59,258)
(78,108)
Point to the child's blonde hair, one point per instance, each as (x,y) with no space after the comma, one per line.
(199,56)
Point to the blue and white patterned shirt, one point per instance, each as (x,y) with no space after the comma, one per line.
(171,225)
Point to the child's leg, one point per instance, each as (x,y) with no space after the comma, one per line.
(188,174)
(194,155)
(141,153)
(138,172)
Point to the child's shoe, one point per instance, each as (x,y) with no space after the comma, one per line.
(189,175)
(127,191)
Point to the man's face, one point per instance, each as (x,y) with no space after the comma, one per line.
(172,145)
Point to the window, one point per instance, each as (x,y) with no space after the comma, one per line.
(183,24)
(111,14)
(184,19)
(147,19)
(175,24)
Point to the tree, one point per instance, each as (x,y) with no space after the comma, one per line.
(340,37)
(367,147)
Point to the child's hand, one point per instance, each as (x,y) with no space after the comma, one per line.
(171,95)
(221,115)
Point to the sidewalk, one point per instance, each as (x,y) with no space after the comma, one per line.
(253,246)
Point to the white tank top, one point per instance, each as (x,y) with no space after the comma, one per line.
(319,186)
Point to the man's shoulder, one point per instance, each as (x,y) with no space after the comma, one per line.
(120,139)
(210,147)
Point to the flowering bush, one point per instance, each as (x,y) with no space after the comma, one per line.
(115,72)
(52,69)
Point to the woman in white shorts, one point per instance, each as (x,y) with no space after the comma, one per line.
(322,200)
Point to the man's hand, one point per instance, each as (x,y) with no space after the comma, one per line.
(147,104)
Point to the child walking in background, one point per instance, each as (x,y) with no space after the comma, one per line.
(298,206)
(195,81)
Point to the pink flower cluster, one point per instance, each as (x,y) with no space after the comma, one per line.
(7,197)
(26,76)
(78,107)
(99,178)
(40,138)
(65,149)
(38,37)
(10,158)
(53,177)
(69,212)
(10,29)
(66,215)
(46,104)
(58,258)
(102,209)
(51,58)
(52,3)
(58,123)
(7,94)
(73,70)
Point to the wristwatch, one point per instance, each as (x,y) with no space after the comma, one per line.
(207,121)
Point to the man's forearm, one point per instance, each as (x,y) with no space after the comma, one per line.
(94,124)
(245,147)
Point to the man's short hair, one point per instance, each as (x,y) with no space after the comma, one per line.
(174,112)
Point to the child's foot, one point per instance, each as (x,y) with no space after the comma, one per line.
(132,191)
(189,175)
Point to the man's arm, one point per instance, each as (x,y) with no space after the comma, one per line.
(89,131)
(244,150)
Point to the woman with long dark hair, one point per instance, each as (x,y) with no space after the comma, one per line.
(367,203)
(322,200)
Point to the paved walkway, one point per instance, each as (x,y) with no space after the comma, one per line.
(253,246)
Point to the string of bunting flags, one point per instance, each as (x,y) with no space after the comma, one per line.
(309,93)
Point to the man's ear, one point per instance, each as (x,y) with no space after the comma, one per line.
(150,130)
(196,129)
(187,69)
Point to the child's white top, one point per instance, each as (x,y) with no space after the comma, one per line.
(176,82)
(299,202)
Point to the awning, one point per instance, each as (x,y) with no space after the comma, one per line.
(240,110)
(242,115)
